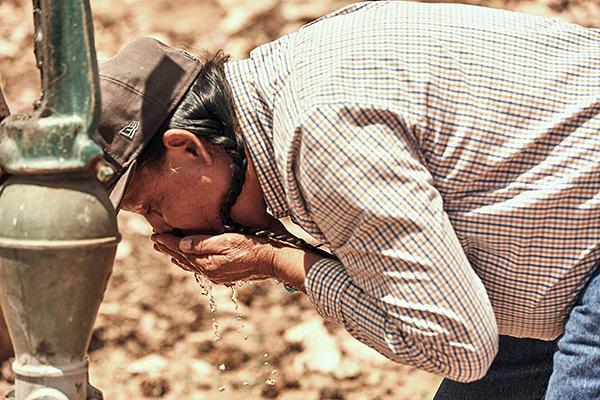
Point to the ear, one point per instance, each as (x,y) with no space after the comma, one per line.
(186,144)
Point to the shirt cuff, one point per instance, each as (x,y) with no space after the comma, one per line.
(325,284)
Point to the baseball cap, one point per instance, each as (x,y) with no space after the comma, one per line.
(141,87)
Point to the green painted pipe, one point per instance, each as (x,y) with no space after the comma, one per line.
(56,137)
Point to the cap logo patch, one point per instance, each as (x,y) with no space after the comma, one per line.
(130,130)
(189,55)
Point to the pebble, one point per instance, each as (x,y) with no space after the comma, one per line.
(152,364)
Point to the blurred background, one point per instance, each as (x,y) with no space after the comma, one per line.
(155,333)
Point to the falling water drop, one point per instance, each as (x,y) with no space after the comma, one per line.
(272,380)
(205,284)
(234,298)
(216,334)
(212,304)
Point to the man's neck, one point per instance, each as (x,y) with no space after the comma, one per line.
(250,207)
(255,116)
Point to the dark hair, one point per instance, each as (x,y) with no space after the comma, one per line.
(207,111)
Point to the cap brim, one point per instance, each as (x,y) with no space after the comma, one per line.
(117,192)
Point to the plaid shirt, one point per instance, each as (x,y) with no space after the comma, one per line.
(449,156)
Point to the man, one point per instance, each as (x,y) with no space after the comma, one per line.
(445,154)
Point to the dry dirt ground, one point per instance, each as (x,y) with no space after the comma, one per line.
(154,335)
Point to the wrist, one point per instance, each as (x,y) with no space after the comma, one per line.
(290,265)
(267,259)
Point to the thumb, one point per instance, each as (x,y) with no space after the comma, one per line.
(200,244)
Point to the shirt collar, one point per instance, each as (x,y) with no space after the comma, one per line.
(254,115)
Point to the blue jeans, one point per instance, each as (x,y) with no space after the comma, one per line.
(577,362)
(520,371)
(529,369)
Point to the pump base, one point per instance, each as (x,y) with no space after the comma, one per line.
(92,393)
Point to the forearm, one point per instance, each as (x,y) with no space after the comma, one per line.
(432,336)
(291,265)
(428,336)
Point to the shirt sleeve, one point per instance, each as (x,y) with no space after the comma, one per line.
(403,285)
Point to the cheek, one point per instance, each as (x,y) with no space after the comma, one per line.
(181,212)
(196,207)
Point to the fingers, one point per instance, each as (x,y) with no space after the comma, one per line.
(167,240)
(181,265)
(195,244)
(177,259)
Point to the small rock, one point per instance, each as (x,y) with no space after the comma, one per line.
(137,224)
(152,364)
(230,356)
(270,392)
(123,251)
(290,27)
(331,394)
(201,368)
(240,17)
(6,370)
(321,353)
(156,387)
(374,378)
(360,352)
(292,384)
(347,370)
(305,11)
(238,47)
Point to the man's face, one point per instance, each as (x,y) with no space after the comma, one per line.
(169,199)
(183,192)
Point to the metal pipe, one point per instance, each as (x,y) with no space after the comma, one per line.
(58,230)
(56,137)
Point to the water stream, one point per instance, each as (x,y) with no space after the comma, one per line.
(207,287)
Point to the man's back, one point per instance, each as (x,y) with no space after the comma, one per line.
(421,140)
(504,111)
